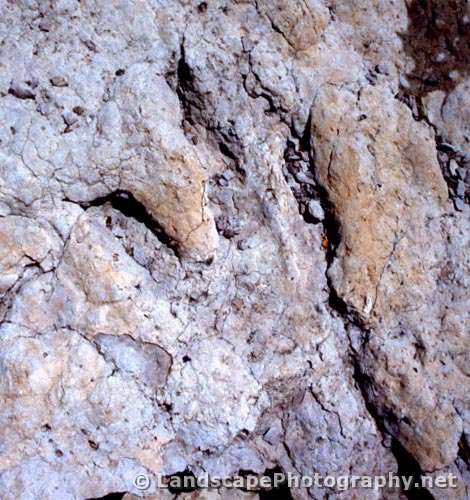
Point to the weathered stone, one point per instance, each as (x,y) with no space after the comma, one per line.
(300,22)
(233,237)
(376,164)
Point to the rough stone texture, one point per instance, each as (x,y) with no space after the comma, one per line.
(233,237)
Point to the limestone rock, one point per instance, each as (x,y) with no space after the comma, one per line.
(233,240)
(300,22)
(383,180)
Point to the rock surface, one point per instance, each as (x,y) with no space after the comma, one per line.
(233,237)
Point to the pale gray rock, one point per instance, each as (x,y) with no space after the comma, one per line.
(233,237)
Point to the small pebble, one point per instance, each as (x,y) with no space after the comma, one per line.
(78,110)
(301,177)
(43,108)
(440,57)
(59,81)
(453,166)
(315,210)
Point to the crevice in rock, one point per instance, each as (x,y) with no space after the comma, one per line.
(435,29)
(129,206)
(438,40)
(300,178)
(8,297)
(196,112)
(300,174)
(407,465)
(181,80)
(332,230)
(455,167)
(260,91)
(281,492)
(184,84)
(110,496)
(454,163)
(464,449)
(181,482)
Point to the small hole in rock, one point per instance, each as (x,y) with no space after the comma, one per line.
(281,492)
(93,445)
(181,482)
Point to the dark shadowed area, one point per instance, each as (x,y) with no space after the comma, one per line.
(438,40)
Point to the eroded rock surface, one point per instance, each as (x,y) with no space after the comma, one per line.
(233,237)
